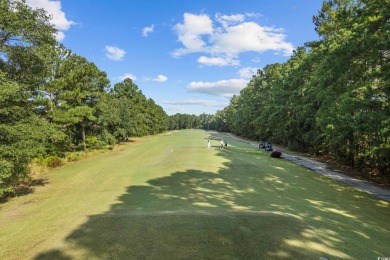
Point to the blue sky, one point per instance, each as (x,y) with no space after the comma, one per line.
(189,56)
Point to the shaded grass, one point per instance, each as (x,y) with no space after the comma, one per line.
(170,197)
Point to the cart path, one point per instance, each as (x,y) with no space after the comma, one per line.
(322,168)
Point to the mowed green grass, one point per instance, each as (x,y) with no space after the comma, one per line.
(169,197)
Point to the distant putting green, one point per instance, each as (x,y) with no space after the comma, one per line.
(169,197)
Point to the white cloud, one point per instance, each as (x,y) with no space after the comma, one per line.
(114,53)
(175,108)
(160,78)
(218,61)
(254,15)
(127,76)
(54,9)
(227,20)
(60,36)
(147,30)
(250,36)
(190,33)
(198,34)
(191,102)
(247,72)
(224,88)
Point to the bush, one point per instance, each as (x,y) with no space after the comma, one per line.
(35,167)
(108,138)
(94,142)
(276,154)
(54,161)
(40,161)
(75,156)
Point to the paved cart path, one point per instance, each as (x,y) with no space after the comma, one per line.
(322,168)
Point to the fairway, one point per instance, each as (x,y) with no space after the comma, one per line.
(169,197)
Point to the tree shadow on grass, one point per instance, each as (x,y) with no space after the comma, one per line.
(187,235)
(24,188)
(241,212)
(188,215)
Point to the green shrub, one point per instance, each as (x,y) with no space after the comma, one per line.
(54,161)
(75,156)
(40,161)
(94,142)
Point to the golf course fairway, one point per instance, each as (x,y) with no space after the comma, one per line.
(169,197)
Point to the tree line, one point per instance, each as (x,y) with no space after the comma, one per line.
(186,121)
(53,101)
(332,96)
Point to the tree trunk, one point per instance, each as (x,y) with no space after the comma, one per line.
(51,101)
(83,133)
